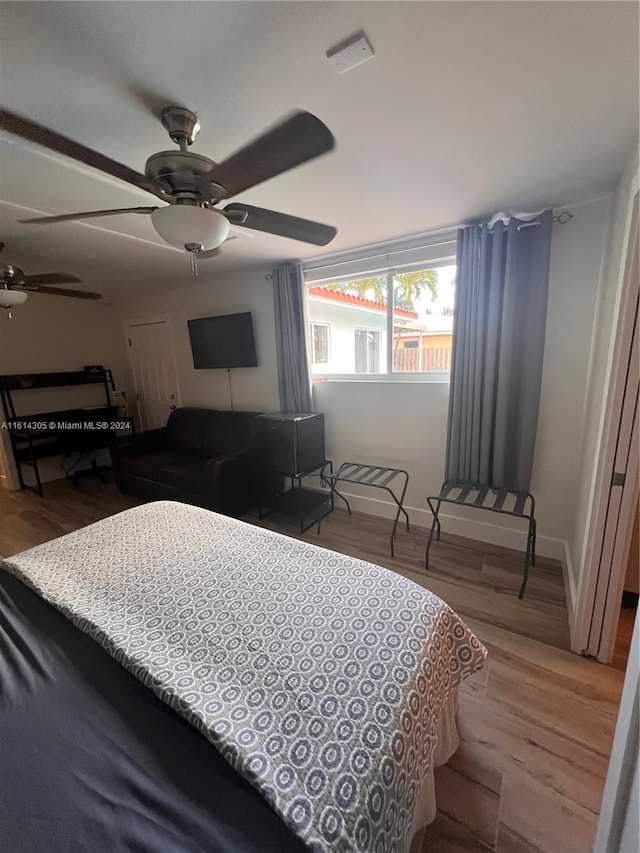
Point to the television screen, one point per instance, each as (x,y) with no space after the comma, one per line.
(223,341)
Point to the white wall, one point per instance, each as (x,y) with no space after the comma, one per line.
(583,527)
(48,334)
(577,258)
(253,388)
(394,424)
(404,424)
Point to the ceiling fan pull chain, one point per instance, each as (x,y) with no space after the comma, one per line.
(194,262)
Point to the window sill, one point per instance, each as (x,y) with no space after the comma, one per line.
(436,378)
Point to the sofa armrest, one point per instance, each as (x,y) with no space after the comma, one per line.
(140,442)
(231,482)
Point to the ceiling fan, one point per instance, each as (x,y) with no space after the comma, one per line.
(15,285)
(193,184)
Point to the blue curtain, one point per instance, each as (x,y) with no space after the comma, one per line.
(498,348)
(294,377)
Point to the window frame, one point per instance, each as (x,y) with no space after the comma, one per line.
(377,332)
(327,326)
(428,377)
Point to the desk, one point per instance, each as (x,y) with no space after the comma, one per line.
(377,478)
(60,433)
(46,434)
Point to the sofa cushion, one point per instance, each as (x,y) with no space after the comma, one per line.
(174,466)
(147,464)
(185,473)
(185,430)
(226,432)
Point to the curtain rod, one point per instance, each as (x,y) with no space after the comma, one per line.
(561,219)
(381,254)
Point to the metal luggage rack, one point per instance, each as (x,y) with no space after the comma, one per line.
(377,478)
(520,504)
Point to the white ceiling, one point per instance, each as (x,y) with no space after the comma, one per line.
(467,108)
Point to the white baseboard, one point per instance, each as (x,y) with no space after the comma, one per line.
(483,531)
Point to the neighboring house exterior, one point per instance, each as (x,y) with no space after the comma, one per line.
(347,336)
(424,346)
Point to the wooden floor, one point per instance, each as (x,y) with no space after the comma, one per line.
(478,580)
(536,724)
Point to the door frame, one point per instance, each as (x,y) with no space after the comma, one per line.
(154,319)
(605,462)
(619,808)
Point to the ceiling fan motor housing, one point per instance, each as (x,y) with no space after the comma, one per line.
(10,275)
(181,124)
(177,172)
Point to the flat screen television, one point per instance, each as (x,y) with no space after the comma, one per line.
(223,341)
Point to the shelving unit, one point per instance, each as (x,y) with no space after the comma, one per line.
(307,506)
(33,439)
(292,447)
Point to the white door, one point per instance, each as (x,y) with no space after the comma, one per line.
(153,371)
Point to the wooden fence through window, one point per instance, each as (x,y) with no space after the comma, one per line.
(422,360)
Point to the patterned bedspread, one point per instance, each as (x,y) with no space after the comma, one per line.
(320,678)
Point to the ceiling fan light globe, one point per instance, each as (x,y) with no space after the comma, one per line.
(9,298)
(179,224)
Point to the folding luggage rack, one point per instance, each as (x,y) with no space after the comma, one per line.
(519,504)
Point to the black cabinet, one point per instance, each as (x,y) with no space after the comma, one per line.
(292,444)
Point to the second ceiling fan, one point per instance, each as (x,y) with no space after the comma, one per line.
(193,184)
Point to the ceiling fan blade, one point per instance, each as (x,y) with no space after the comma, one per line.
(50,278)
(295,140)
(33,132)
(89,214)
(284,225)
(59,291)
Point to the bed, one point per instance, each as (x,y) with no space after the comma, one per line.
(257,693)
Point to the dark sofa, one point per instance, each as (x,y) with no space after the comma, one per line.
(202,457)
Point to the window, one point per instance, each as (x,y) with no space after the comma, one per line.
(319,343)
(394,324)
(367,351)
(357,314)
